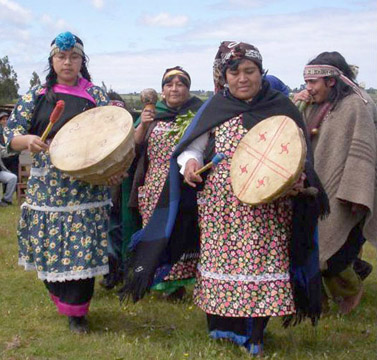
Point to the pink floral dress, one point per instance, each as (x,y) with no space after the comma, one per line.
(159,151)
(244,261)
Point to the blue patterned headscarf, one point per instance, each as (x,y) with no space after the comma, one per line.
(67,41)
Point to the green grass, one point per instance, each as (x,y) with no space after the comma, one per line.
(30,327)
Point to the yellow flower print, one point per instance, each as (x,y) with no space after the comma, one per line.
(27,97)
(74,192)
(73,238)
(88,257)
(52,245)
(67,253)
(80,254)
(104,243)
(53,182)
(53,231)
(66,261)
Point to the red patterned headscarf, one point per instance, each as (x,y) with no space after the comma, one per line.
(227,53)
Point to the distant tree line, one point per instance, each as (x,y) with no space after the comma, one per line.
(8,81)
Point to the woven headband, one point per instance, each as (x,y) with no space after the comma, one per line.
(117,103)
(313,72)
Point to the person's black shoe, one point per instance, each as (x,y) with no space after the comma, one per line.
(78,324)
(3,204)
(362,268)
(114,277)
(176,295)
(6,202)
(108,282)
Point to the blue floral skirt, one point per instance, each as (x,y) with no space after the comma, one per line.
(63,230)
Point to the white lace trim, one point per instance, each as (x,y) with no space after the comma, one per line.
(85,206)
(65,276)
(244,278)
(38,172)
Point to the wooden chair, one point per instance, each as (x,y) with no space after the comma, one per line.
(24,166)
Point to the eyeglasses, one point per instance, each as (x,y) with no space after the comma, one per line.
(74,58)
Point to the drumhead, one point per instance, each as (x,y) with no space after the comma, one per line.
(90,137)
(268,160)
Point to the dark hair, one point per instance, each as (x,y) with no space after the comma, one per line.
(115,96)
(186,80)
(340,89)
(51,78)
(234,64)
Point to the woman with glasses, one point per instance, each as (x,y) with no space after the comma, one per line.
(64,222)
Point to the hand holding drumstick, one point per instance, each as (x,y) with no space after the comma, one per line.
(34,143)
(54,117)
(192,170)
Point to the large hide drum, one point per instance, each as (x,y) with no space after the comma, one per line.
(268,160)
(95,144)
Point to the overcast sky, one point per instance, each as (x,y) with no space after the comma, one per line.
(131,43)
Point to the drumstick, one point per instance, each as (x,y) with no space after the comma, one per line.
(54,117)
(215,160)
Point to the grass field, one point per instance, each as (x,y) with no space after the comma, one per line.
(154,329)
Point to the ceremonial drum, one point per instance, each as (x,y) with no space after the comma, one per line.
(268,160)
(95,144)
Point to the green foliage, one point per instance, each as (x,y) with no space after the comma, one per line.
(35,80)
(155,329)
(8,81)
(181,124)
